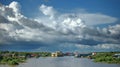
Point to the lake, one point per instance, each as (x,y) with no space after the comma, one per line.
(61,62)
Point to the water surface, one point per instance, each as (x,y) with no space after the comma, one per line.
(61,62)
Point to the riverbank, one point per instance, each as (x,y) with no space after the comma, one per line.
(107,57)
(14,58)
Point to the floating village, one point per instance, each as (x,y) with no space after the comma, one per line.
(14,58)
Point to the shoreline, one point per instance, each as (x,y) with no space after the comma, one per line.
(15,58)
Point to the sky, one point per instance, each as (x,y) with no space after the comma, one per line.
(60,25)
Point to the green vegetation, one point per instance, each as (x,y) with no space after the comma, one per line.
(14,58)
(11,58)
(107,57)
(12,61)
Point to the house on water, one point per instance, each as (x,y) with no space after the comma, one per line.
(57,54)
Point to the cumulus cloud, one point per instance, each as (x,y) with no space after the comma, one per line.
(57,28)
(110,34)
(47,10)
(15,6)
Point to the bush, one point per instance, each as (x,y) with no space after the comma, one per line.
(13,62)
(106,57)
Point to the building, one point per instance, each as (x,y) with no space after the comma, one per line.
(80,55)
(53,55)
(116,55)
(94,53)
(57,54)
(77,55)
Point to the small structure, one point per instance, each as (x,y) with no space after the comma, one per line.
(57,54)
(53,54)
(68,54)
(81,55)
(22,56)
(77,55)
(89,57)
(116,55)
(14,55)
(94,53)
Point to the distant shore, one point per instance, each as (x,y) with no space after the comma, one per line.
(14,58)
(107,57)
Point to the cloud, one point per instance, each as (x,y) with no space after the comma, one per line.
(99,47)
(47,10)
(93,18)
(96,19)
(110,34)
(15,6)
(107,46)
(55,29)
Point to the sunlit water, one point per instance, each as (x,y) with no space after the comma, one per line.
(61,62)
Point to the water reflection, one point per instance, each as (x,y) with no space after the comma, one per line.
(62,62)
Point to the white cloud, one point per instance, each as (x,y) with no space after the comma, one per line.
(48,10)
(73,22)
(58,21)
(7,27)
(114,30)
(95,19)
(57,28)
(15,6)
(62,23)
(107,46)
